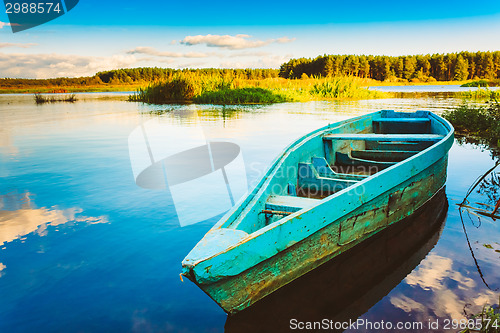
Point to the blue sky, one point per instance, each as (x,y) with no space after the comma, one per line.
(103,35)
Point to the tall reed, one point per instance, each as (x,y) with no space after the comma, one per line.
(342,88)
(180,88)
(241,96)
(41,99)
(217,89)
(480,93)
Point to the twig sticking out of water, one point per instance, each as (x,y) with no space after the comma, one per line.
(478,181)
(472,251)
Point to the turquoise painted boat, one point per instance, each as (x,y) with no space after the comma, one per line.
(328,191)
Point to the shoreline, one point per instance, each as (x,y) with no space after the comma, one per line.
(135,87)
(70,89)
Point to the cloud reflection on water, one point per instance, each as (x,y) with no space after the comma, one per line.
(432,273)
(2,267)
(19,217)
(450,292)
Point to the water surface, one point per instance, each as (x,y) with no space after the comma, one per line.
(83,248)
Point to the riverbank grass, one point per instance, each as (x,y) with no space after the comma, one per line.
(479,121)
(222,90)
(343,88)
(481,94)
(241,96)
(482,83)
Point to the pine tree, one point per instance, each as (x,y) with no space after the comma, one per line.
(399,67)
(364,67)
(461,69)
(386,69)
(426,67)
(410,64)
(329,70)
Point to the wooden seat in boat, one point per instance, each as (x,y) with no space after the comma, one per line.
(384,137)
(401,125)
(288,204)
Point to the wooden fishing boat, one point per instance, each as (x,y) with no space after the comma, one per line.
(328,191)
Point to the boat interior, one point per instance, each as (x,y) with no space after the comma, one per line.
(337,158)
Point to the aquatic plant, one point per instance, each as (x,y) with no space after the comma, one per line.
(342,87)
(482,83)
(481,121)
(241,96)
(489,318)
(480,94)
(478,83)
(41,99)
(180,88)
(213,89)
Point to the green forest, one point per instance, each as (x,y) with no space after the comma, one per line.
(137,75)
(418,68)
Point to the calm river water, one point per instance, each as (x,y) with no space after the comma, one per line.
(83,248)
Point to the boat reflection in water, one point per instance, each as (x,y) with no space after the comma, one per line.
(350,284)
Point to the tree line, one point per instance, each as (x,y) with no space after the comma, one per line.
(139,75)
(441,67)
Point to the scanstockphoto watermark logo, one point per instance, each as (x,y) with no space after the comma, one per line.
(204,178)
(26,14)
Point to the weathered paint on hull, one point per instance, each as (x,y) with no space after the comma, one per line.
(237,292)
(347,286)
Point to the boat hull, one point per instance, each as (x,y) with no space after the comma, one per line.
(347,286)
(237,292)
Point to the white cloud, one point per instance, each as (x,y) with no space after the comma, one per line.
(3,24)
(166,54)
(283,40)
(43,66)
(262,61)
(249,54)
(24,46)
(198,64)
(236,42)
(167,61)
